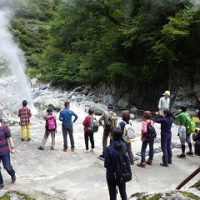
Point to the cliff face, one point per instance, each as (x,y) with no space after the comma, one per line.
(145,95)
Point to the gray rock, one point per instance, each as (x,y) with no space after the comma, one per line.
(122,103)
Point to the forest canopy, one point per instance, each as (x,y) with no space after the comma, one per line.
(92,41)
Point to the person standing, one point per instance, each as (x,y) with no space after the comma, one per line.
(110,164)
(166,136)
(122,124)
(50,129)
(198,106)
(5,141)
(109,119)
(67,126)
(147,119)
(24,114)
(164,102)
(196,138)
(88,132)
(183,117)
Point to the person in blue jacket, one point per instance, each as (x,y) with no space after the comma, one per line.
(166,136)
(67,125)
(110,164)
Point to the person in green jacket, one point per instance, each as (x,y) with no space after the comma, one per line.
(184,135)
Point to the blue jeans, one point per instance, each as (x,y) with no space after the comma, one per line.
(166,148)
(5,158)
(143,151)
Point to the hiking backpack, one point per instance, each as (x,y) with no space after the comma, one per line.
(129,132)
(151,132)
(123,168)
(94,125)
(51,122)
(110,120)
(190,125)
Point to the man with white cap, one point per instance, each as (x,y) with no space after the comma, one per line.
(164,102)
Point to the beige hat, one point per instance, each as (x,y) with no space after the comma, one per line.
(166,93)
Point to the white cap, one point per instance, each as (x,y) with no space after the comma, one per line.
(166,93)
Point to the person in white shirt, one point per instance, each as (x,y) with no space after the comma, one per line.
(164,102)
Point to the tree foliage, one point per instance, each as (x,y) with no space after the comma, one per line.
(93,41)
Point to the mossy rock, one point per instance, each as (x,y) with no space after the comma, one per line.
(197,185)
(15,195)
(142,196)
(189,195)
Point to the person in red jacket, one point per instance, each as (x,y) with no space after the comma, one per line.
(88,132)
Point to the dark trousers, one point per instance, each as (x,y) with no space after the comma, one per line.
(68,130)
(144,147)
(197,148)
(7,166)
(89,135)
(166,149)
(130,153)
(106,133)
(112,188)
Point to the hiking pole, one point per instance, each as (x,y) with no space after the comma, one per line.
(191,176)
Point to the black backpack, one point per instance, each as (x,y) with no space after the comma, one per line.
(151,132)
(123,167)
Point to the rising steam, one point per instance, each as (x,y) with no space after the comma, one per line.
(12,55)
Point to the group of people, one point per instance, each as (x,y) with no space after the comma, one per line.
(120,134)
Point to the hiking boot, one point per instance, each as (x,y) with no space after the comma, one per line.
(72,149)
(190,153)
(149,162)
(22,139)
(65,149)
(1,186)
(13,178)
(181,156)
(164,165)
(102,156)
(141,165)
(29,139)
(40,148)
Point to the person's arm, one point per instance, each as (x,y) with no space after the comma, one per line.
(160,104)
(115,120)
(178,116)
(11,143)
(60,116)
(107,159)
(19,113)
(9,138)
(76,117)
(55,122)
(30,114)
(144,127)
(159,119)
(122,125)
(86,121)
(102,118)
